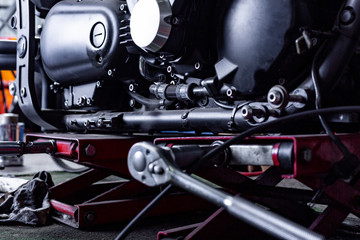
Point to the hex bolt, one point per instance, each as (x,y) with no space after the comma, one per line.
(132,102)
(81,101)
(89,216)
(131,87)
(12,89)
(89,101)
(23,92)
(248,112)
(275,97)
(21,47)
(122,7)
(110,73)
(197,66)
(89,150)
(98,84)
(169,69)
(231,93)
(347,16)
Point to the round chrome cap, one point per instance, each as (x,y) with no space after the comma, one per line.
(148,27)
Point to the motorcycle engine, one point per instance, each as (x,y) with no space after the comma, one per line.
(146,55)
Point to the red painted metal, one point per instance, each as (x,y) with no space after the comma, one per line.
(109,152)
(64,208)
(275,153)
(108,155)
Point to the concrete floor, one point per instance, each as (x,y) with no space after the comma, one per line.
(148,229)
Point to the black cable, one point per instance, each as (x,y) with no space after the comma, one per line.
(216,150)
(318,100)
(143,213)
(3,93)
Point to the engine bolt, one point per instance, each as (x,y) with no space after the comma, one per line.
(132,102)
(23,92)
(81,101)
(197,66)
(21,47)
(98,84)
(231,93)
(12,88)
(122,7)
(248,112)
(131,87)
(275,97)
(89,101)
(110,73)
(169,69)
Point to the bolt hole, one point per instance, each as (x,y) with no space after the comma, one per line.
(272,97)
(147,152)
(143,178)
(98,58)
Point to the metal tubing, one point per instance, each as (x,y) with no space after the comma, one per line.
(8,47)
(218,120)
(7,62)
(8,148)
(267,221)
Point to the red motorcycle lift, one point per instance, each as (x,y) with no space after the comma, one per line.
(80,203)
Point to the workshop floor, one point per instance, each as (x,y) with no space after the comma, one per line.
(147,230)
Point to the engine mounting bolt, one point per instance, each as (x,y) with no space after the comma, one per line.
(132,102)
(176,20)
(249,112)
(12,88)
(100,123)
(81,101)
(197,66)
(23,92)
(110,73)
(231,93)
(21,47)
(89,150)
(122,7)
(347,16)
(131,87)
(169,69)
(98,84)
(89,101)
(275,97)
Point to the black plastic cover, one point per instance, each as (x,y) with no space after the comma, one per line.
(259,38)
(70,47)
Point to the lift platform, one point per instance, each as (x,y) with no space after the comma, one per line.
(82,202)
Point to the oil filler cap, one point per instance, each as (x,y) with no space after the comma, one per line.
(97,35)
(148,27)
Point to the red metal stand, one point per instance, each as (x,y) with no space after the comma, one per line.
(82,202)
(313,158)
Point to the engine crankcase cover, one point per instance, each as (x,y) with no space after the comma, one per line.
(80,40)
(259,39)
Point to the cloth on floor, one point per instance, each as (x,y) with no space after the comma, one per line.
(10,184)
(29,204)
